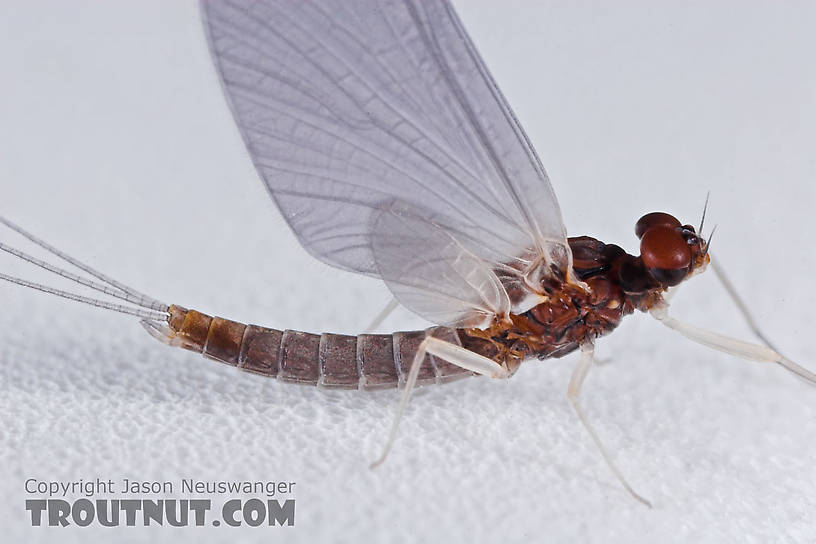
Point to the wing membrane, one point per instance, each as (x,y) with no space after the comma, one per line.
(347,108)
(432,272)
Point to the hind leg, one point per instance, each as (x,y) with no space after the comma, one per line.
(451,353)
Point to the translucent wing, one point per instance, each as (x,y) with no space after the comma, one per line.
(430,271)
(351,110)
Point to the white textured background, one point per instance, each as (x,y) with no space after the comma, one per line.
(117,146)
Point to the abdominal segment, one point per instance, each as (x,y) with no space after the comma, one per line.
(334,361)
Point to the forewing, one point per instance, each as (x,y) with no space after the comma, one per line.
(349,107)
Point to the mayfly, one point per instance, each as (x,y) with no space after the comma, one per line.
(390,151)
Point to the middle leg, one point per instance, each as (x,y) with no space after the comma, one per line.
(573,394)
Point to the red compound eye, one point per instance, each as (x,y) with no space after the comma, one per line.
(665,253)
(654,219)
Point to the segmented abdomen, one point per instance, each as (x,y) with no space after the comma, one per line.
(336,361)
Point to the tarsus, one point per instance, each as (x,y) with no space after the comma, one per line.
(719,271)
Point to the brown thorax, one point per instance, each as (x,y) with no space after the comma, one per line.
(611,284)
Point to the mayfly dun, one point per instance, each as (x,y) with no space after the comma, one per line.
(390,151)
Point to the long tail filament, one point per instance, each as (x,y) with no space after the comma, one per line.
(144,306)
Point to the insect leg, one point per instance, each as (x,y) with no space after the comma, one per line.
(410,382)
(733,346)
(465,358)
(384,313)
(573,394)
(451,353)
(719,271)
